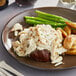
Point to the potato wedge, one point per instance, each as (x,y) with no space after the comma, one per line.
(63,32)
(71,52)
(73,47)
(71,24)
(67,29)
(69,41)
(75,42)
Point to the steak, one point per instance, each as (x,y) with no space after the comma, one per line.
(40,55)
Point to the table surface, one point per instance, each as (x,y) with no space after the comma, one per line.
(5,15)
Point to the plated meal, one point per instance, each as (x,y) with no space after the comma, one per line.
(48,38)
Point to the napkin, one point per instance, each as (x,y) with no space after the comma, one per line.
(3,64)
(11,1)
(71,5)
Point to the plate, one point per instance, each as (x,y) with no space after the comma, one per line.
(69,61)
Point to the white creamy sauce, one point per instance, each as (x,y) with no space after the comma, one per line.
(40,37)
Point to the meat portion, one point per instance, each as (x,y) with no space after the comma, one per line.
(40,55)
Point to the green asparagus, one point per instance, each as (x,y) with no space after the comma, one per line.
(35,22)
(46,18)
(51,17)
(39,19)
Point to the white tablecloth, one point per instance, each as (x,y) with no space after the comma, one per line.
(5,15)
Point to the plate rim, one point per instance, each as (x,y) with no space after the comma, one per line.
(30,66)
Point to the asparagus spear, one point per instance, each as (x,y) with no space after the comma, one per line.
(39,19)
(47,14)
(51,17)
(35,22)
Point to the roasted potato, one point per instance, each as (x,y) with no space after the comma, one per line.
(69,41)
(63,32)
(70,44)
(71,52)
(71,24)
(67,29)
(73,47)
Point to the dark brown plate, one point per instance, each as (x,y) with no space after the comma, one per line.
(69,61)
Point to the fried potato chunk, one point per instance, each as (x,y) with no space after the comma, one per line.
(71,24)
(70,44)
(69,41)
(63,32)
(71,52)
(67,29)
(73,47)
